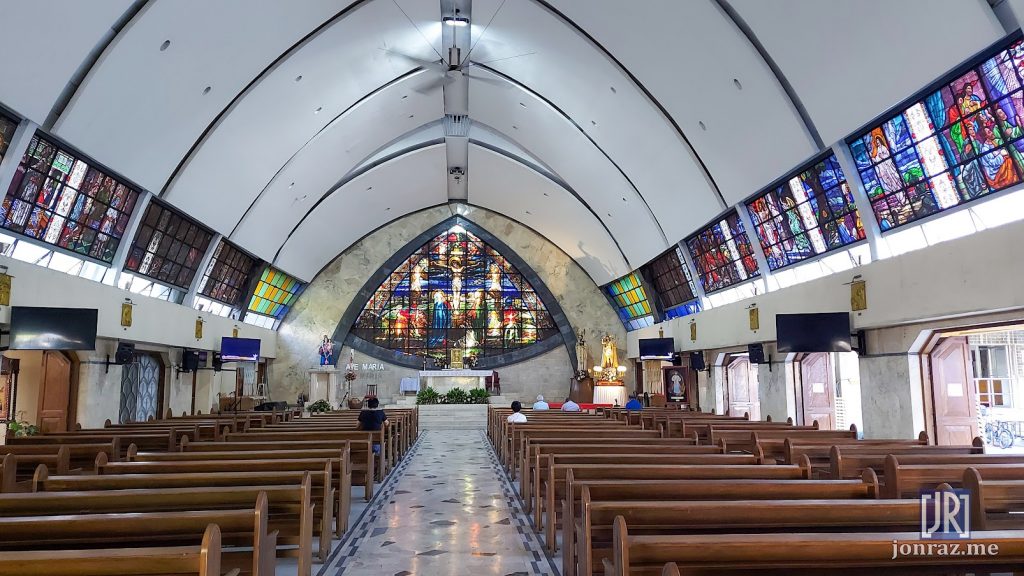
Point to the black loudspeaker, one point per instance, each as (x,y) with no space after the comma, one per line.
(755,352)
(218,364)
(697,360)
(860,343)
(271,406)
(677,359)
(125,352)
(189,361)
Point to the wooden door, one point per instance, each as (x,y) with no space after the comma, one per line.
(817,378)
(742,389)
(55,395)
(953,392)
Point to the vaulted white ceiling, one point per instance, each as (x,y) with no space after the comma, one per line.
(614,129)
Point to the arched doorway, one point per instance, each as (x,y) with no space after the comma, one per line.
(741,388)
(142,385)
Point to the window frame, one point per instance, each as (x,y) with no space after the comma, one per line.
(176,244)
(723,217)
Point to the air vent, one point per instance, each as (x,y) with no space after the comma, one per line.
(456,125)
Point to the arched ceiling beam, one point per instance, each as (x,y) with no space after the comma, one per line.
(647,93)
(794,98)
(570,120)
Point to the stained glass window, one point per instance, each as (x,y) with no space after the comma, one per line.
(455,293)
(722,254)
(808,214)
(631,299)
(58,198)
(960,142)
(275,293)
(168,247)
(7,128)
(227,274)
(671,279)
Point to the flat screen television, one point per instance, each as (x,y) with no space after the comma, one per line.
(657,348)
(239,349)
(819,332)
(36,328)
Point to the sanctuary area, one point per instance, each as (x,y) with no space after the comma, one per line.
(511,287)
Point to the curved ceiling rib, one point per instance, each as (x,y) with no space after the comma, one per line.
(256,79)
(640,85)
(323,130)
(575,124)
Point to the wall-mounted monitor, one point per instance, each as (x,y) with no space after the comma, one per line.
(657,348)
(239,349)
(819,332)
(35,328)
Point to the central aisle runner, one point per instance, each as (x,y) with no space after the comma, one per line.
(450,512)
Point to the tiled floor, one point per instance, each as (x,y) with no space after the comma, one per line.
(449,510)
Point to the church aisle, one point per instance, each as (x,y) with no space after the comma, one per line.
(450,511)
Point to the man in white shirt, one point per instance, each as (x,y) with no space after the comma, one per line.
(540,404)
(516,417)
(570,406)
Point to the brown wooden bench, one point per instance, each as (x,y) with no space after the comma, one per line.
(521,436)
(342,476)
(676,490)
(772,442)
(355,443)
(81,457)
(995,504)
(201,560)
(905,479)
(250,546)
(293,506)
(149,441)
(8,473)
(559,479)
(849,461)
(802,554)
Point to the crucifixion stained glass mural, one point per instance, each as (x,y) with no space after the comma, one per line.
(455,293)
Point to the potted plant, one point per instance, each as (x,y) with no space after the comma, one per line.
(427,396)
(319,406)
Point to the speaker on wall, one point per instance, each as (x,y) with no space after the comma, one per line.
(755,353)
(677,359)
(860,343)
(697,360)
(125,352)
(218,364)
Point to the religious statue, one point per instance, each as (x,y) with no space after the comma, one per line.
(326,352)
(609,355)
(581,353)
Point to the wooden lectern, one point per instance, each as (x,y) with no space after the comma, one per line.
(581,390)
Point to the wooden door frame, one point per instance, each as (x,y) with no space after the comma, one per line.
(71,414)
(798,377)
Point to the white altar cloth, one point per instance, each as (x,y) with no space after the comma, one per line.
(444,380)
(409,384)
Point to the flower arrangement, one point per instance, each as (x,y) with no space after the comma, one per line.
(320,406)
(454,396)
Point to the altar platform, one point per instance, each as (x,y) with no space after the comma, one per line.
(444,380)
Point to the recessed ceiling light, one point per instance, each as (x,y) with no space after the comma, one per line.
(318,109)
(613,89)
(368,188)
(737,83)
(523,105)
(514,127)
(412,115)
(546,194)
(456,21)
(593,122)
(623,199)
(609,214)
(702,126)
(292,185)
(207,90)
(388,209)
(405,96)
(165,45)
(298,78)
(528,212)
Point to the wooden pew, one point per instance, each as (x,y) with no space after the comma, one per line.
(252,547)
(81,457)
(559,476)
(803,554)
(520,435)
(339,466)
(849,461)
(291,437)
(8,473)
(549,472)
(772,442)
(623,491)
(150,441)
(995,504)
(201,560)
(908,479)
(299,500)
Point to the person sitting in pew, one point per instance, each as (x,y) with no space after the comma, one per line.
(540,404)
(633,403)
(372,418)
(570,406)
(517,417)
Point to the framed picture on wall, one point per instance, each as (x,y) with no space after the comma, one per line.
(674,379)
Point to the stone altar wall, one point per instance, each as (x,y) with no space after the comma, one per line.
(325,300)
